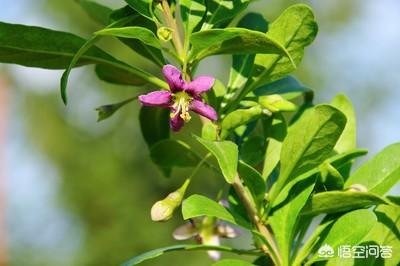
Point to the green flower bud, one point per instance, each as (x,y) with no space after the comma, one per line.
(163,210)
(165,34)
(276,103)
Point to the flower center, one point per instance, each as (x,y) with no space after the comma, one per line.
(181,104)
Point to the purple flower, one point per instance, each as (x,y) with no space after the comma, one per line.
(182,98)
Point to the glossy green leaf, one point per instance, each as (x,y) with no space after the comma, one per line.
(288,87)
(161,251)
(242,64)
(108,110)
(275,136)
(240,117)
(226,153)
(347,140)
(143,7)
(276,103)
(219,11)
(349,229)
(308,143)
(232,262)
(233,41)
(386,232)
(144,35)
(192,13)
(96,11)
(172,153)
(197,205)
(209,131)
(380,173)
(253,181)
(340,201)
(295,29)
(285,215)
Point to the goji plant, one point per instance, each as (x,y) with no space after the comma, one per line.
(286,161)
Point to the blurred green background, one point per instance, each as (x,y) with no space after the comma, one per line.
(79,192)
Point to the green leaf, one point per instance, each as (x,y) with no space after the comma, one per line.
(44,48)
(240,117)
(144,35)
(288,87)
(197,205)
(285,215)
(386,232)
(336,161)
(380,173)
(276,134)
(161,251)
(117,76)
(226,153)
(154,124)
(96,11)
(308,143)
(242,64)
(172,153)
(252,150)
(340,201)
(233,41)
(347,140)
(148,52)
(215,96)
(209,131)
(253,181)
(294,29)
(192,12)
(143,7)
(349,229)
(135,72)
(219,11)
(108,110)
(232,262)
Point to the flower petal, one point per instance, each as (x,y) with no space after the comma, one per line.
(200,85)
(212,241)
(226,231)
(184,232)
(176,122)
(203,109)
(174,78)
(156,98)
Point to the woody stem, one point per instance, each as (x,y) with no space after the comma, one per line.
(270,247)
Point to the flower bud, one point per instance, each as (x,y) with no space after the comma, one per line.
(164,209)
(276,103)
(165,34)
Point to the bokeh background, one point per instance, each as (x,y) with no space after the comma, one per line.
(78,192)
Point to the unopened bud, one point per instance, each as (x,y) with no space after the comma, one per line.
(164,209)
(165,34)
(276,103)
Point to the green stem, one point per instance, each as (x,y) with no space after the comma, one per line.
(176,39)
